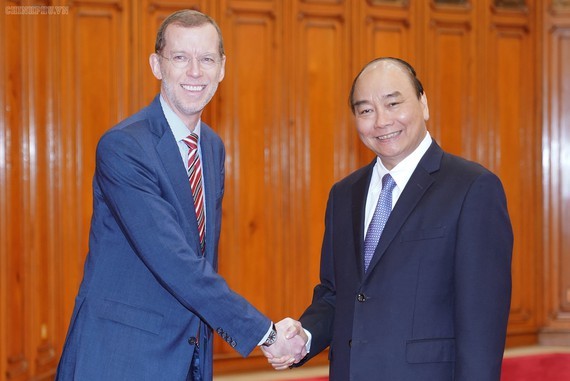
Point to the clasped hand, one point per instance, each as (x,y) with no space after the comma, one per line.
(290,346)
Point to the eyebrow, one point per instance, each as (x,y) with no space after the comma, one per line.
(359,103)
(392,95)
(395,94)
(178,51)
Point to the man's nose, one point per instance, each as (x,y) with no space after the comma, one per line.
(383,118)
(193,68)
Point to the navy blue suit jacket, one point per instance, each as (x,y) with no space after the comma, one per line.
(435,300)
(146,289)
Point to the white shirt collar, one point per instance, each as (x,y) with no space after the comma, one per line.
(176,124)
(402,172)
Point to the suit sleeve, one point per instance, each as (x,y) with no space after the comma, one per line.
(482,281)
(130,184)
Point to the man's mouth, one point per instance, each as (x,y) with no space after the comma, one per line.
(389,136)
(193,88)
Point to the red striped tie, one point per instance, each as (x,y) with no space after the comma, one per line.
(195,178)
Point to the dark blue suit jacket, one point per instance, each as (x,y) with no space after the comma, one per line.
(434,303)
(146,289)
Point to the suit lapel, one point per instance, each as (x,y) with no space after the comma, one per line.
(416,187)
(358,206)
(169,154)
(170,157)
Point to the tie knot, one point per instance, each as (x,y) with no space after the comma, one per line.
(388,183)
(191,141)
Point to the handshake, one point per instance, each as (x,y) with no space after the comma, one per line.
(290,347)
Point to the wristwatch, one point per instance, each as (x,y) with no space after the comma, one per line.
(272,338)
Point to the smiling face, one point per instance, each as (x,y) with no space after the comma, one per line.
(389,117)
(188,90)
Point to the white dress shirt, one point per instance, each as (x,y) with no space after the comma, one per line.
(401,173)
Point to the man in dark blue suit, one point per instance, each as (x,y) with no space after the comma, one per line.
(433,301)
(150,294)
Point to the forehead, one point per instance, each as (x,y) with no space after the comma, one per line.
(383,78)
(201,38)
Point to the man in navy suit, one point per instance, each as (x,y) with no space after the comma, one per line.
(433,302)
(150,294)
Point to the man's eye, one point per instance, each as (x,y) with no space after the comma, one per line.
(207,60)
(365,111)
(179,58)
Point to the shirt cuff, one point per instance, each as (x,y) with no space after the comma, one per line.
(264,338)
(309,339)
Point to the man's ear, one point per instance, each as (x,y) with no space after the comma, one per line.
(223,69)
(154,61)
(424,101)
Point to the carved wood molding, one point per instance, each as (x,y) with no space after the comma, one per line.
(451,2)
(510,4)
(561,3)
(46,354)
(451,5)
(401,3)
(17,366)
(560,6)
(322,1)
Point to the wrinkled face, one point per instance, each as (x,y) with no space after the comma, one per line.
(389,117)
(188,89)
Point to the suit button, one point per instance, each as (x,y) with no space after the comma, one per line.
(192,341)
(361,297)
(350,343)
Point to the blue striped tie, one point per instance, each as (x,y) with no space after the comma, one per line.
(381,214)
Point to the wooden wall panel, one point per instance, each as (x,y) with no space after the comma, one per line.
(99,93)
(389,37)
(28,276)
(94,96)
(319,132)
(16,356)
(4,149)
(556,176)
(507,141)
(252,129)
(450,80)
(42,197)
(389,31)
